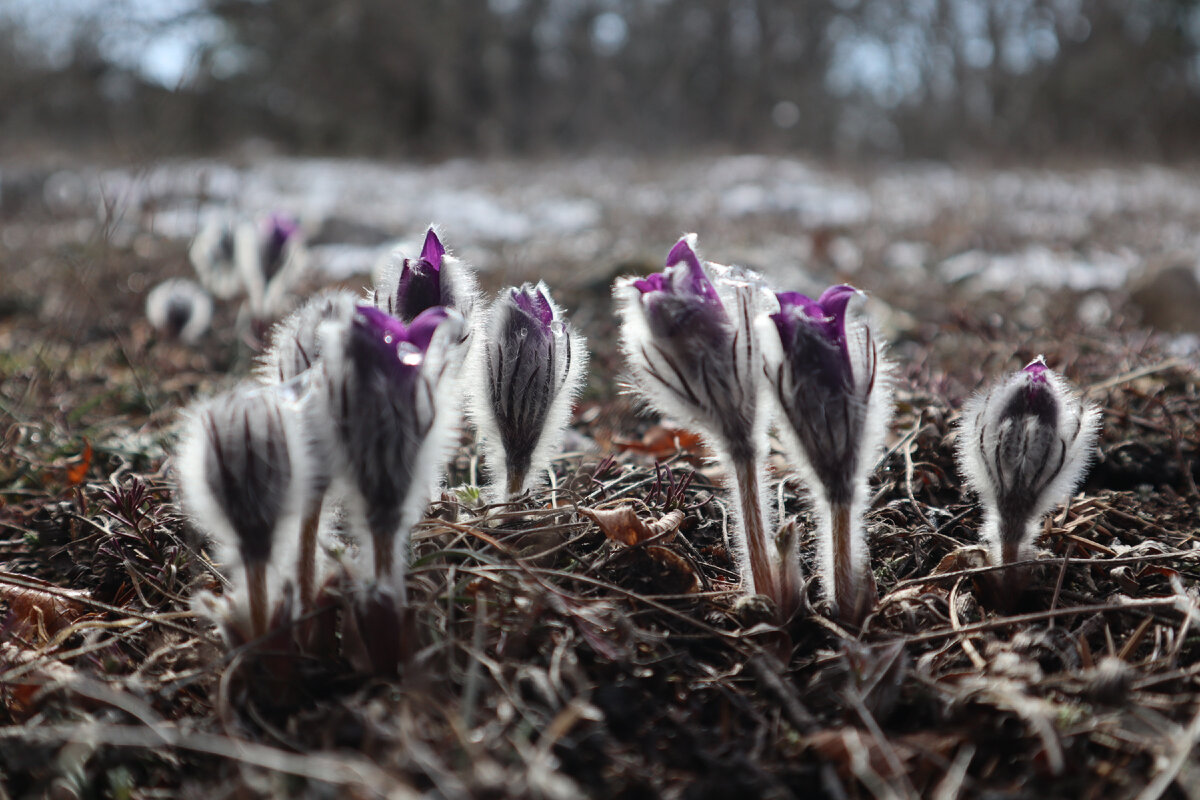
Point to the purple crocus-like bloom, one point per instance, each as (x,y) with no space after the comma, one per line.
(242,478)
(271,259)
(409,286)
(529,371)
(277,230)
(388,393)
(693,351)
(831,391)
(1024,444)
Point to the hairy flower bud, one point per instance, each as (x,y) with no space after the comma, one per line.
(242,478)
(691,345)
(214,257)
(529,370)
(295,342)
(410,286)
(271,259)
(832,393)
(1024,445)
(389,388)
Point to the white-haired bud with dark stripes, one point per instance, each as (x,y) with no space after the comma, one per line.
(213,253)
(1024,444)
(528,371)
(242,477)
(832,390)
(689,338)
(391,394)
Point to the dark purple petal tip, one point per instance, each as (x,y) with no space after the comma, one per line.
(651,283)
(534,304)
(1036,370)
(282,226)
(433,252)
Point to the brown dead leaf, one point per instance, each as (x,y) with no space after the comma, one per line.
(36,614)
(663,442)
(624,526)
(963,558)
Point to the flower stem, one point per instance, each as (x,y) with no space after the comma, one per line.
(256,580)
(850,604)
(307,565)
(515,481)
(384,560)
(763,573)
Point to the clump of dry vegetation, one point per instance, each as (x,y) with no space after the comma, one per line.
(589,640)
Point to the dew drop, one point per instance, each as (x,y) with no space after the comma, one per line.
(409,354)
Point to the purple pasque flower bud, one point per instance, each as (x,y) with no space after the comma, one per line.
(692,354)
(390,391)
(1024,445)
(528,372)
(832,392)
(242,477)
(271,259)
(180,308)
(693,351)
(410,286)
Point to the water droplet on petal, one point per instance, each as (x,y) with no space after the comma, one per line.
(409,354)
(388,338)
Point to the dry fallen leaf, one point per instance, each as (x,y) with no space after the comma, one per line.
(624,526)
(663,442)
(37,614)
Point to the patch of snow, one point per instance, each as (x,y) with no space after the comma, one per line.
(1039,266)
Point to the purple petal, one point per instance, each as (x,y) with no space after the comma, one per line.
(421,329)
(1036,370)
(698,282)
(420,288)
(651,283)
(534,304)
(433,252)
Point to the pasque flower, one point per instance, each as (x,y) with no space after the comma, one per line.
(180,308)
(691,345)
(528,372)
(409,286)
(242,477)
(832,391)
(1024,445)
(271,258)
(389,388)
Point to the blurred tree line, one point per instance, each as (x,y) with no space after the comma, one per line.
(440,77)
